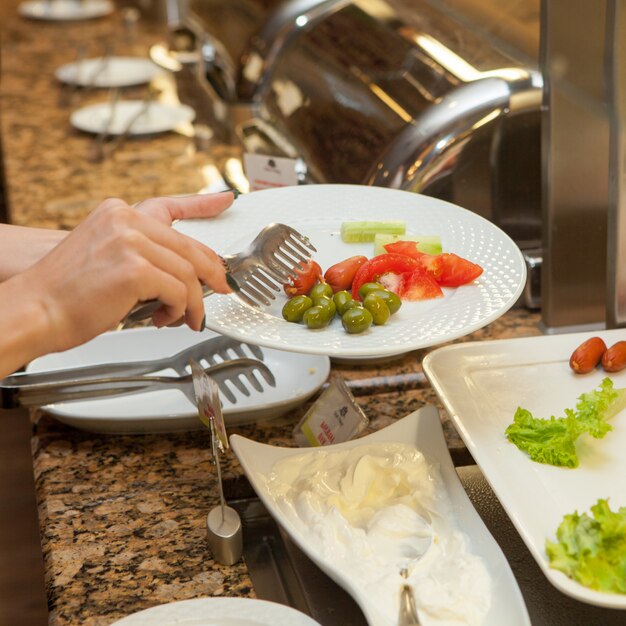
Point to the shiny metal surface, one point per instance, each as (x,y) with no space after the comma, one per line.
(616,248)
(575,164)
(410,94)
(13,394)
(278,32)
(430,146)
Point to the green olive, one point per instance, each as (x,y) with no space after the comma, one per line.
(340,299)
(351,304)
(357,320)
(365,288)
(295,308)
(392,300)
(327,304)
(377,307)
(316,317)
(319,290)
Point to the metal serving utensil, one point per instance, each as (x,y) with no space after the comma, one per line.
(41,394)
(258,273)
(96,150)
(143,109)
(408,610)
(208,352)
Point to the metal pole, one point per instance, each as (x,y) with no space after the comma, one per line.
(575,164)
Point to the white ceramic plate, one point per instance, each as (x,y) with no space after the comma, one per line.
(108,72)
(317,211)
(158,119)
(298,376)
(218,612)
(61,10)
(422,429)
(481,385)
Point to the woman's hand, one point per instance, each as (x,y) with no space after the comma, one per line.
(117,256)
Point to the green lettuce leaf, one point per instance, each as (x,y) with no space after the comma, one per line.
(592,549)
(553,440)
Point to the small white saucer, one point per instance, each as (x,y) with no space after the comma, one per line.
(158,118)
(62,10)
(108,73)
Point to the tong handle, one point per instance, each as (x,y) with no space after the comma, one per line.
(144,310)
(41,394)
(48,393)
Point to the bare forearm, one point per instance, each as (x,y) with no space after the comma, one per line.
(24,324)
(21,247)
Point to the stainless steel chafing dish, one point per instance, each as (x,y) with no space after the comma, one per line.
(418,95)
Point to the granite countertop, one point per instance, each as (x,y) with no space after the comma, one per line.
(123,517)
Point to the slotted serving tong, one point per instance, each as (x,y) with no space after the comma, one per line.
(97,381)
(257,273)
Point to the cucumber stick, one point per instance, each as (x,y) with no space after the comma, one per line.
(358,232)
(430,244)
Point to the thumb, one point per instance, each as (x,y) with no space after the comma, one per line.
(188,207)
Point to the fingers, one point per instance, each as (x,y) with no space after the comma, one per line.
(165,264)
(207,264)
(187,207)
(148,241)
(162,274)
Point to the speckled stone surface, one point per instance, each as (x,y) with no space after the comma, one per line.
(123,517)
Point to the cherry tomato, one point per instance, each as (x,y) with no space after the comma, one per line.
(304,279)
(341,275)
(447,268)
(378,267)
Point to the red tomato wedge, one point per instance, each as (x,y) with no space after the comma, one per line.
(378,266)
(457,271)
(341,275)
(303,280)
(419,285)
(447,268)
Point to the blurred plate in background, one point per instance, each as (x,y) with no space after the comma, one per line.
(59,10)
(158,118)
(108,72)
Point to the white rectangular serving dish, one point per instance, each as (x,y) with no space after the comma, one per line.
(481,384)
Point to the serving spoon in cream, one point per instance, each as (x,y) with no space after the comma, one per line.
(408,610)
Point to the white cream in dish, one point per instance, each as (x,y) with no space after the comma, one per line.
(376,509)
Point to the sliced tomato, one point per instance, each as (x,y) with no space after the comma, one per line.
(409,248)
(341,275)
(457,271)
(301,282)
(378,266)
(447,268)
(419,285)
(430,262)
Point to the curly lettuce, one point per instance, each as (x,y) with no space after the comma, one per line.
(592,549)
(553,440)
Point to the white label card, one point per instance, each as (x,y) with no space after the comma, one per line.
(334,417)
(268,172)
